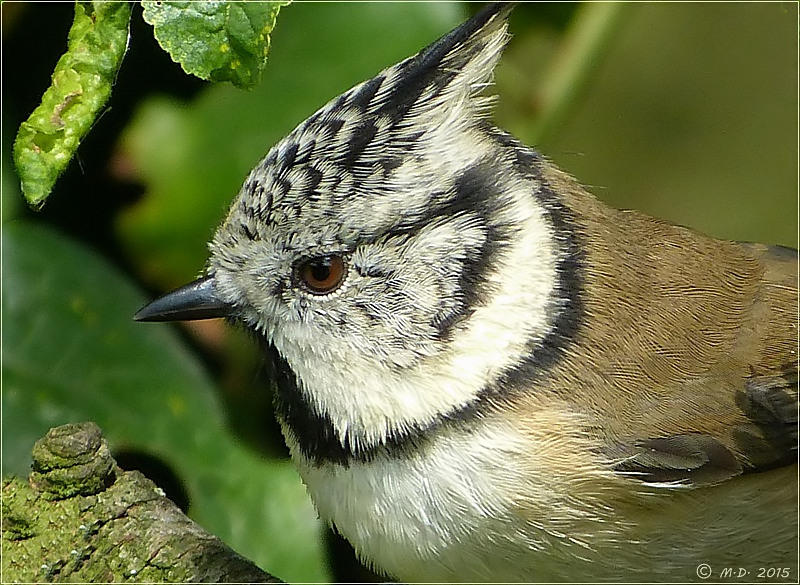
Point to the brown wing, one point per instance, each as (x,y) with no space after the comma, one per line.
(687,359)
(763,433)
(770,403)
(768,438)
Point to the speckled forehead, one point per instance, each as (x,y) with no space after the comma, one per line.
(337,168)
(378,153)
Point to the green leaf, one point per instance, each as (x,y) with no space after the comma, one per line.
(80,87)
(71,352)
(193,157)
(216,41)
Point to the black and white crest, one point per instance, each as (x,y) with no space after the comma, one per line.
(353,145)
(453,277)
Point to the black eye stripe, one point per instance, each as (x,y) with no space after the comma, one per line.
(372,271)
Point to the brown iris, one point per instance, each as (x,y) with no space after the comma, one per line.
(322,274)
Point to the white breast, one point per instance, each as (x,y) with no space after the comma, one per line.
(453,512)
(475,506)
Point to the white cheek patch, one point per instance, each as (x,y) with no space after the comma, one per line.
(367,400)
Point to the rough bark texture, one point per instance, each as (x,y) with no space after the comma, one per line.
(80,518)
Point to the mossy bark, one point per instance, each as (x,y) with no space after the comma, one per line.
(80,518)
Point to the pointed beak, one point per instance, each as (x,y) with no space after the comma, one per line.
(188,303)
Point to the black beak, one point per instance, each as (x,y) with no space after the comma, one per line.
(188,303)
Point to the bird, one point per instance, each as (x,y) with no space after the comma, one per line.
(483,372)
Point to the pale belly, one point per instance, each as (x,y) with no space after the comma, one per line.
(464,513)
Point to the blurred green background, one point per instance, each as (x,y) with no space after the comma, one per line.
(686,111)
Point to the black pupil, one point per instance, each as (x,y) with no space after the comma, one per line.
(321,269)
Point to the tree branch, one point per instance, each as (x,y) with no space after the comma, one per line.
(82,518)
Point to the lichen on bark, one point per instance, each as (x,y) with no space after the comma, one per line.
(79,517)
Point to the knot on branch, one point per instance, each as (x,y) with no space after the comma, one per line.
(72,460)
(80,518)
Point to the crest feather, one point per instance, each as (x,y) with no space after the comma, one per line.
(449,73)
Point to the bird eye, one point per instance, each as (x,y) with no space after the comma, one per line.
(322,274)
